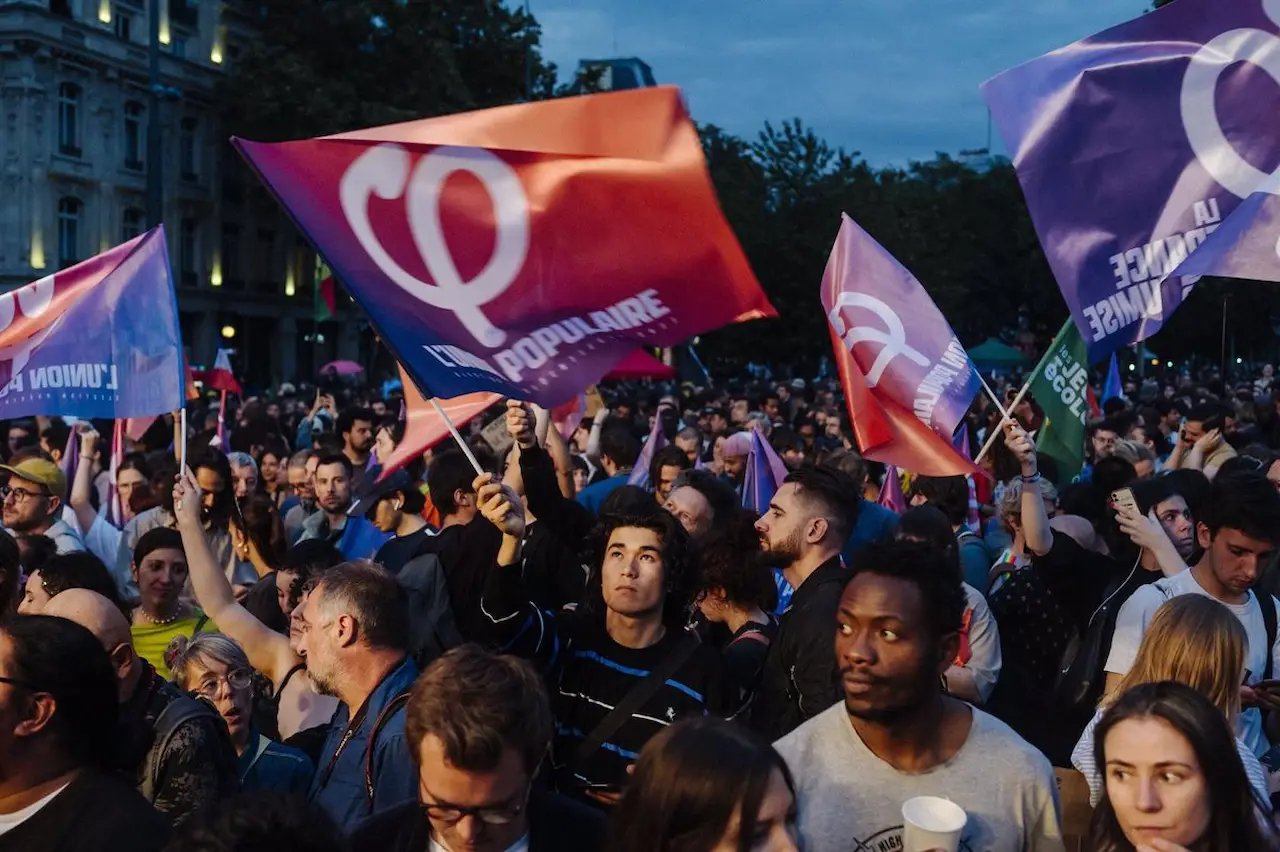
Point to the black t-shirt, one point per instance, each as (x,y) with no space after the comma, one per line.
(395,553)
(96,812)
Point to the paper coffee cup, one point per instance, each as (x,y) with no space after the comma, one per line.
(930,824)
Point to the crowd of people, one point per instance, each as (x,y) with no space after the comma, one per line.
(587,645)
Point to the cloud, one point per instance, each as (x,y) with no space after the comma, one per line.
(895,79)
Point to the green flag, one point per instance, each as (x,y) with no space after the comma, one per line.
(1060,384)
(325,304)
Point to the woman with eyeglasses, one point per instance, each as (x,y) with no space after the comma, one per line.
(299,706)
(215,668)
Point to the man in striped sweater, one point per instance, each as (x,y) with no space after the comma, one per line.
(630,623)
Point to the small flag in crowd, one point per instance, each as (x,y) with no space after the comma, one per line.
(1129,218)
(222,377)
(96,340)
(566,417)
(907,386)
(764,475)
(1112,388)
(961,442)
(657,440)
(572,245)
(891,496)
(424,427)
(326,305)
(1060,384)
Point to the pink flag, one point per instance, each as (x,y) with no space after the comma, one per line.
(115,511)
(657,440)
(424,428)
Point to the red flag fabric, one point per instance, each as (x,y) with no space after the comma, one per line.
(886,426)
(221,376)
(640,365)
(424,427)
(566,416)
(525,249)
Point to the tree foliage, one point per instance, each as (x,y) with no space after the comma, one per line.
(326,66)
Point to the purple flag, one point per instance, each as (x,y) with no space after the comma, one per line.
(70,455)
(900,341)
(960,440)
(99,339)
(1113,389)
(657,440)
(891,496)
(1135,146)
(765,473)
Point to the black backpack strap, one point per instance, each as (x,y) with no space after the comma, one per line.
(635,699)
(394,705)
(1268,606)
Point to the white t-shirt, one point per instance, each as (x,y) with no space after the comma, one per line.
(984,643)
(1137,612)
(8,822)
(851,799)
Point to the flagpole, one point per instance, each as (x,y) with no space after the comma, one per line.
(992,394)
(182,441)
(457,436)
(1017,400)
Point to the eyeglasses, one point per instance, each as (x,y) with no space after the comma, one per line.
(238,679)
(20,495)
(494,815)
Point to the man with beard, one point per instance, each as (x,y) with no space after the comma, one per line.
(32,501)
(355,427)
(897,735)
(806,526)
(354,632)
(356,537)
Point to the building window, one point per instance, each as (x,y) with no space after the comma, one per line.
(231,257)
(187,134)
(69,210)
(124,27)
(69,119)
(130,224)
(179,47)
(133,135)
(61,8)
(185,12)
(187,252)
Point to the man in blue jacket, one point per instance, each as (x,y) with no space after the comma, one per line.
(355,628)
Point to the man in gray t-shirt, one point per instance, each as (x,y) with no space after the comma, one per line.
(897,735)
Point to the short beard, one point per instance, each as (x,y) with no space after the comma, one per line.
(783,554)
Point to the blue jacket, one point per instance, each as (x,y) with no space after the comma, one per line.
(339,783)
(358,538)
(268,765)
(593,496)
(875,523)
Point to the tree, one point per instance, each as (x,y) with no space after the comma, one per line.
(326,66)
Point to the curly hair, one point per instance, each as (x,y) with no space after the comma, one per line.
(678,561)
(727,560)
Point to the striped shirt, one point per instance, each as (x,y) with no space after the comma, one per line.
(589,674)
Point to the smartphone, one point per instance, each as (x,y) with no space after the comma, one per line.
(1123,498)
(1268,685)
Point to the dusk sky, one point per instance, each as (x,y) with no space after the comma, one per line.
(895,79)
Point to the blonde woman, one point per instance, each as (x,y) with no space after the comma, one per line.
(215,668)
(1192,640)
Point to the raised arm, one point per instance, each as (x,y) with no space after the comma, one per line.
(515,624)
(82,486)
(1035,522)
(268,651)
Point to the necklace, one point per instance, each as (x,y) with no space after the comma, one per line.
(160,622)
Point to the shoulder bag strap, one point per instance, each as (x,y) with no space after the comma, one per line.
(635,699)
(385,716)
